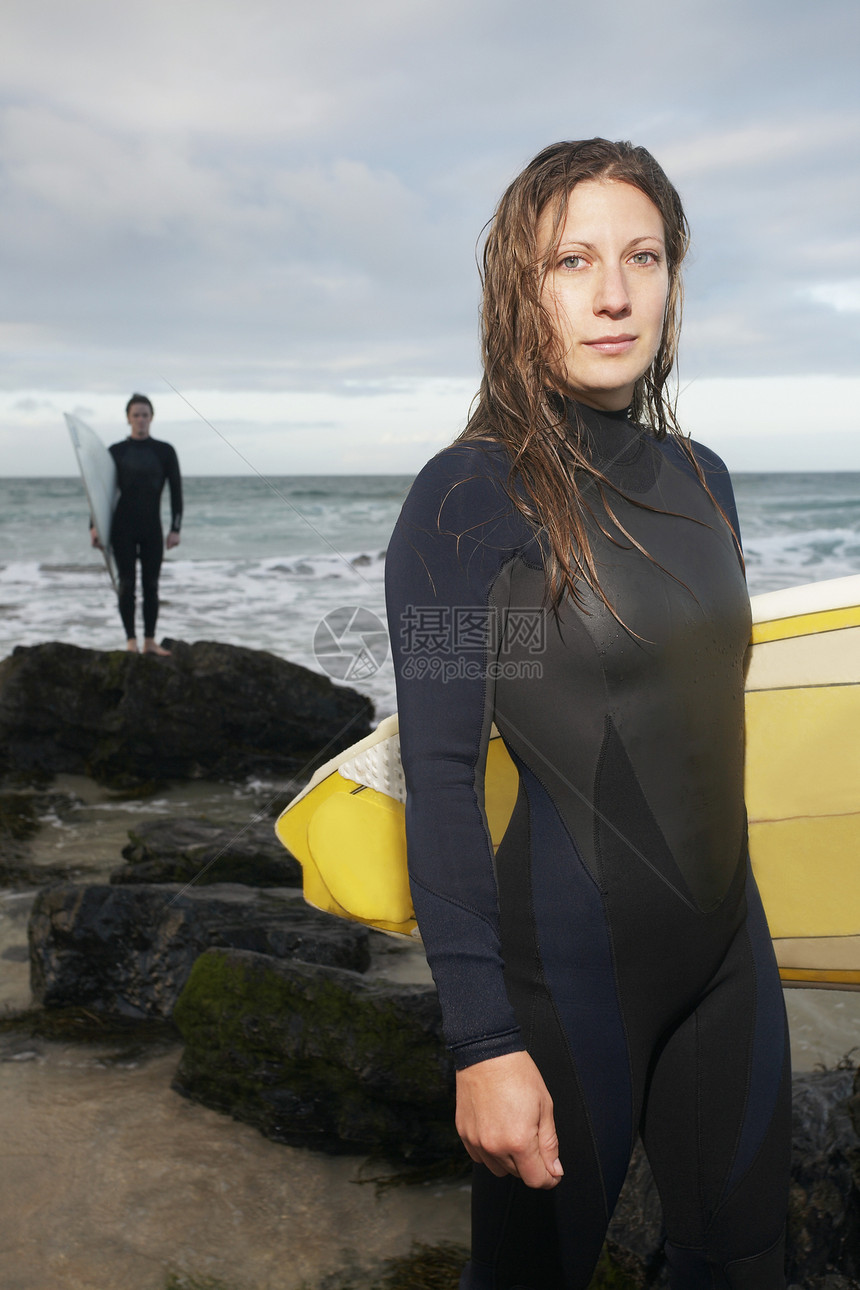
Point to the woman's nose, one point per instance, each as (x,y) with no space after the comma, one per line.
(611,296)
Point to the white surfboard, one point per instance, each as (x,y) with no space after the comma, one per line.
(98,471)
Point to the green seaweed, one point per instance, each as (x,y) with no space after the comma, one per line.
(188,1281)
(81,1025)
(426,1267)
(609,1277)
(452,1169)
(438,1267)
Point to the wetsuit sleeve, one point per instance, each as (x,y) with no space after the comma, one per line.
(454,536)
(174,479)
(716,476)
(720,483)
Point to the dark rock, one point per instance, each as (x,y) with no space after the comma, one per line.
(128,951)
(316,1056)
(832,1281)
(205,853)
(210,709)
(634,1241)
(823,1248)
(824,1206)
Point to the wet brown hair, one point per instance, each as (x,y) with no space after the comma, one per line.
(138,398)
(520,402)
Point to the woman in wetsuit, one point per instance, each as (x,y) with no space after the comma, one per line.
(570,571)
(143,464)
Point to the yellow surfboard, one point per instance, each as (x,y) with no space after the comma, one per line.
(347,826)
(803,777)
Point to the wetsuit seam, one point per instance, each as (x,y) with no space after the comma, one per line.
(533,1001)
(726,1191)
(483,1039)
(452,900)
(713,468)
(628,1048)
(584,1102)
(759,1254)
(598,854)
(700,1181)
(595,819)
(600,816)
(571,839)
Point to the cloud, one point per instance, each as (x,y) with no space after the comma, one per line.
(771,144)
(270,197)
(844,297)
(33,405)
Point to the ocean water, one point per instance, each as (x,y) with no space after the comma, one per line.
(276,564)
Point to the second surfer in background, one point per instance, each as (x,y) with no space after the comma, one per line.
(569,570)
(143,465)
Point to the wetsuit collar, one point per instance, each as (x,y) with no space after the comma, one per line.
(607,438)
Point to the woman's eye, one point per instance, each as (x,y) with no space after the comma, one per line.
(572,262)
(645,257)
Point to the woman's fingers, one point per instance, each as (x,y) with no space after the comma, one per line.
(548,1144)
(504,1116)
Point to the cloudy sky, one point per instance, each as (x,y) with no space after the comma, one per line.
(265,215)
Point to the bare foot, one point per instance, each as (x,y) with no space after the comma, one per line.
(151,646)
(131,646)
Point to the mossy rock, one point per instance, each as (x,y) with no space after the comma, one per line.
(318,1056)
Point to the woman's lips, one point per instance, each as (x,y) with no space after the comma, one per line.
(612,344)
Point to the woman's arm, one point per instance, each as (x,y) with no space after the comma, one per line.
(453,538)
(174,480)
(456,533)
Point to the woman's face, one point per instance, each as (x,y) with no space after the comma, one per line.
(140,419)
(605,290)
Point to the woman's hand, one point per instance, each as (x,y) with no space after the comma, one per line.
(94,537)
(172,539)
(504,1117)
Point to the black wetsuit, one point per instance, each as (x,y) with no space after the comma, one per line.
(142,466)
(617,935)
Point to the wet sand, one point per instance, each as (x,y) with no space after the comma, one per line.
(110,1180)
